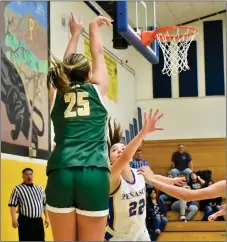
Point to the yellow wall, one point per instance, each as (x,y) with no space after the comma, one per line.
(11,176)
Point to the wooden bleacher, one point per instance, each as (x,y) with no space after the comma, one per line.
(206,154)
(194,231)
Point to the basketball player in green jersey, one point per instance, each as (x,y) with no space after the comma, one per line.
(78,171)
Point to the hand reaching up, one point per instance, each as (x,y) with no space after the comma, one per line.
(151,120)
(100,21)
(76,26)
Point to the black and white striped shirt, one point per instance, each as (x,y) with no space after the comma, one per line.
(30,198)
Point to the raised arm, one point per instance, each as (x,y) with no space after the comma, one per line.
(76,29)
(99,70)
(149,126)
(52,94)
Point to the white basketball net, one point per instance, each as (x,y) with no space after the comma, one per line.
(175,51)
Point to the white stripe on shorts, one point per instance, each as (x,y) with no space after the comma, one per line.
(60,210)
(93,213)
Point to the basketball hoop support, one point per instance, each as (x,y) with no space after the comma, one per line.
(147,37)
(154,14)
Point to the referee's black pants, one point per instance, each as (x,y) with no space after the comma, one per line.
(30,229)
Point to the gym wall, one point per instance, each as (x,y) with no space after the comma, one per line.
(193,102)
(24,65)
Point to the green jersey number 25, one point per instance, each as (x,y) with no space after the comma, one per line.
(77,99)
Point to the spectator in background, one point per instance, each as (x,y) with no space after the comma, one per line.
(195,182)
(182,207)
(31,201)
(156,214)
(138,160)
(181,162)
(163,196)
(210,206)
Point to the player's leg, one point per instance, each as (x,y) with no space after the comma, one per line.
(91,228)
(63,226)
(92,199)
(60,205)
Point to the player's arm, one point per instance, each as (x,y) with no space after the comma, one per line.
(191,195)
(52,91)
(213,191)
(76,28)
(170,181)
(149,126)
(99,70)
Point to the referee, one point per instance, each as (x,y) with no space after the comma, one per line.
(31,201)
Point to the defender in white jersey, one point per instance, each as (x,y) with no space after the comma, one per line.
(127,203)
(127,210)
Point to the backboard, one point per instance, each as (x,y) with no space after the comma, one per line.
(131,18)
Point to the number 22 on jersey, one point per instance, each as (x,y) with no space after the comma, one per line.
(77,104)
(136,208)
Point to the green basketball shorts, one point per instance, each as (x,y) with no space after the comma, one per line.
(84,189)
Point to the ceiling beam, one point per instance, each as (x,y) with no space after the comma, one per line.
(202,18)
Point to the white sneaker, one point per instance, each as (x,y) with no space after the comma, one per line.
(182,217)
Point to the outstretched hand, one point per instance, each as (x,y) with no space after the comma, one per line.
(151,120)
(146,172)
(223,206)
(101,20)
(179,181)
(76,26)
(221,212)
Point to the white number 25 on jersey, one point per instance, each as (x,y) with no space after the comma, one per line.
(78,102)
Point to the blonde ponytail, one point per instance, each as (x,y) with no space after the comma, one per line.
(74,68)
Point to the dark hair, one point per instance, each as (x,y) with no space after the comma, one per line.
(190,178)
(138,150)
(114,135)
(207,183)
(27,169)
(74,68)
(149,192)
